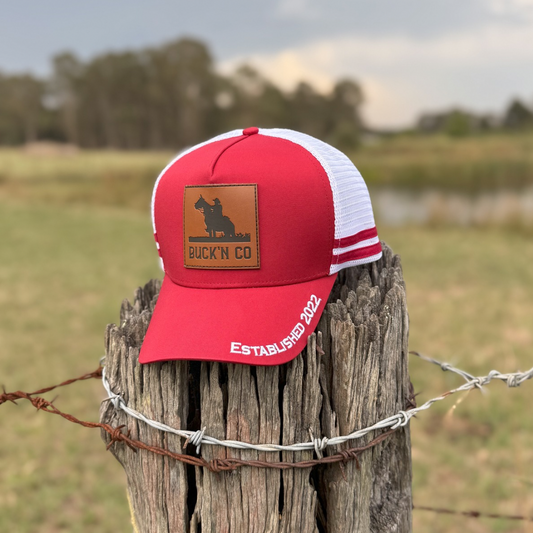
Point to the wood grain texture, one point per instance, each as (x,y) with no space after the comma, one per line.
(352,373)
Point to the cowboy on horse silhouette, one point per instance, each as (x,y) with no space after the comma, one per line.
(215,221)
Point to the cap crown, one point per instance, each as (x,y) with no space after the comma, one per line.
(270,207)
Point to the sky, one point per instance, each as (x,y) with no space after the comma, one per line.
(410,56)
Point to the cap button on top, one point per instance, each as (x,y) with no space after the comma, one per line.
(250,131)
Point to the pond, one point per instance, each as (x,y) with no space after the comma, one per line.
(499,207)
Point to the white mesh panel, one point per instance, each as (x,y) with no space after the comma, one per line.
(353,210)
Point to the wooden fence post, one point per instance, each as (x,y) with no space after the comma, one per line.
(352,374)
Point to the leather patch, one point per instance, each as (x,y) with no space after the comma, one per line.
(220,226)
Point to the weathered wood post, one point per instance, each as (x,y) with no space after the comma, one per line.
(352,374)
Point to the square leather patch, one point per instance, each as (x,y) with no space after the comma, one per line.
(220,226)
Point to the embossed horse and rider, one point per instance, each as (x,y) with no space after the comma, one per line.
(217,223)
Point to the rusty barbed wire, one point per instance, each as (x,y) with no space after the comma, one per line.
(18,395)
(472,514)
(117,434)
(214,465)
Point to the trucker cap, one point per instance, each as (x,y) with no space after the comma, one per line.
(252,227)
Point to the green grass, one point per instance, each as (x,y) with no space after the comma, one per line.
(126,178)
(21,165)
(69,256)
(470,297)
(467,165)
(112,178)
(63,274)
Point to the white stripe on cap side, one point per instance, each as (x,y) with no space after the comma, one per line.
(229,135)
(336,268)
(352,206)
(362,244)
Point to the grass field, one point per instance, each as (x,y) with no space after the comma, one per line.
(122,179)
(468,165)
(126,178)
(66,265)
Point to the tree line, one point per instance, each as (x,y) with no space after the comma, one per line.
(167,97)
(517,117)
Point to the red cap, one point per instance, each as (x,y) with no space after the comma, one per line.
(252,227)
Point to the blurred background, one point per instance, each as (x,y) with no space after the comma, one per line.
(432,101)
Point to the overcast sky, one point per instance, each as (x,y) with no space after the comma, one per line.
(409,55)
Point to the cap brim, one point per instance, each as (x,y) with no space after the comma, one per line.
(254,326)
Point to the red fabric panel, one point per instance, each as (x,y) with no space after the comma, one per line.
(295,211)
(255,326)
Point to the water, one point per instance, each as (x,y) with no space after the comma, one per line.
(398,207)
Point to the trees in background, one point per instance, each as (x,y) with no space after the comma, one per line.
(460,123)
(22,113)
(171,97)
(518,116)
(165,97)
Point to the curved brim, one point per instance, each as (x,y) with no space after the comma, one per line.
(253,326)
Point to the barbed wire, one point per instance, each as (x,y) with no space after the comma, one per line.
(217,465)
(199,437)
(473,514)
(395,421)
(512,379)
(214,465)
(13,396)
